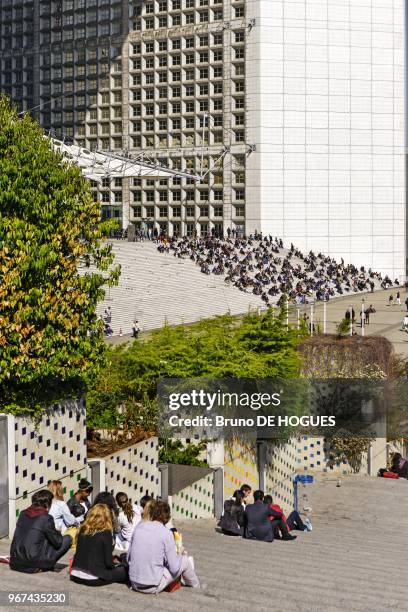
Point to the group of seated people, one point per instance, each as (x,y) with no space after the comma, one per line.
(262,266)
(154,559)
(262,520)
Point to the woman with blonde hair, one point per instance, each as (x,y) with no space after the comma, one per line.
(93,563)
(59,510)
(147,509)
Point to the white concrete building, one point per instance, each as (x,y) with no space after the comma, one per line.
(325,108)
(292,110)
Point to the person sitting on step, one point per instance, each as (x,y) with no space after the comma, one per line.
(232,520)
(258,521)
(153,561)
(94,563)
(293,521)
(59,510)
(79,503)
(36,544)
(130,515)
(399,465)
(246,491)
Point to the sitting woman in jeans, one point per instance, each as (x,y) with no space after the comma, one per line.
(94,564)
(153,561)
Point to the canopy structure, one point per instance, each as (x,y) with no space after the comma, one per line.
(96,165)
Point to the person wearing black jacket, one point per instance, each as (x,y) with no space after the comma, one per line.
(232,520)
(258,524)
(94,564)
(260,521)
(79,503)
(36,544)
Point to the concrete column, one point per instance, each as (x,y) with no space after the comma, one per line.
(218,492)
(164,478)
(261,458)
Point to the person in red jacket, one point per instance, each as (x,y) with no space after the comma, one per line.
(293,521)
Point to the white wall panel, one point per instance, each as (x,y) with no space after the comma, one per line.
(330,136)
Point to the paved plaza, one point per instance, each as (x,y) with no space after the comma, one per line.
(387,321)
(354,559)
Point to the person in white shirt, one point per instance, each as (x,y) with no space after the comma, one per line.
(59,509)
(130,515)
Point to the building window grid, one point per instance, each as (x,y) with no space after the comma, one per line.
(199,42)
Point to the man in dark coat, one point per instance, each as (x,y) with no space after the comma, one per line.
(36,544)
(258,521)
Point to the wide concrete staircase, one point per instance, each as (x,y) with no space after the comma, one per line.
(155,288)
(354,559)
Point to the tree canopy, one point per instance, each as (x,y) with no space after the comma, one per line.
(224,347)
(50,227)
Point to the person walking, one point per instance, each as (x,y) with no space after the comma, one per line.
(370,310)
(350,311)
(398,296)
(406,304)
(135,329)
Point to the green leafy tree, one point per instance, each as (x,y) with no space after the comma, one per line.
(224,347)
(50,337)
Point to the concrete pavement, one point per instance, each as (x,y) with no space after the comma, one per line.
(386,321)
(355,559)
